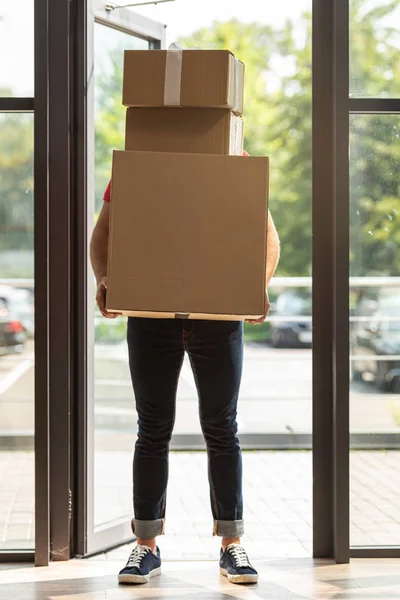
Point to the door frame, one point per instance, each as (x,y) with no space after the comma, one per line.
(86,541)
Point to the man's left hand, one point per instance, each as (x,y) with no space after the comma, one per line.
(261,319)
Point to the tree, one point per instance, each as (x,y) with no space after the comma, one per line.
(109,119)
(374,144)
(277,122)
(16,194)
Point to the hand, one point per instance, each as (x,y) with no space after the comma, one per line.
(261,319)
(101,299)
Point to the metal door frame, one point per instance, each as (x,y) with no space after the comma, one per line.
(86,541)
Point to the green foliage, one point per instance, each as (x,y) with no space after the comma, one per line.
(109,120)
(374,50)
(375,194)
(109,331)
(16,176)
(16,195)
(277,124)
(257,333)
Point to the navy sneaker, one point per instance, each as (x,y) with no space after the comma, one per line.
(141,566)
(234,564)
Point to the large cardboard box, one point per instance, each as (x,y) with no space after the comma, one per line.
(202,130)
(191,78)
(188,235)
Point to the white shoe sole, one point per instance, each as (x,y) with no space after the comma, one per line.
(239,578)
(135,579)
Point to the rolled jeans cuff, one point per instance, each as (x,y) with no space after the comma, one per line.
(147,530)
(229,529)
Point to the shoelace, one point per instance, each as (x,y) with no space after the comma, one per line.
(137,555)
(239,555)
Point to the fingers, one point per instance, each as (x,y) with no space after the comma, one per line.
(101,301)
(261,319)
(101,297)
(256,321)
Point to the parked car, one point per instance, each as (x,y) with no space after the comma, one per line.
(297,330)
(20,303)
(374,343)
(12,333)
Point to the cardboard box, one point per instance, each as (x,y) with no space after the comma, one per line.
(191,78)
(188,235)
(202,130)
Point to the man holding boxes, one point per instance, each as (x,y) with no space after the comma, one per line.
(180,247)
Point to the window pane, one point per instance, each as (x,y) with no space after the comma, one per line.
(375,327)
(114,413)
(16,333)
(16,48)
(109,46)
(374,48)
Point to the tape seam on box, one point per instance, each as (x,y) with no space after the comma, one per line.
(236,78)
(173,77)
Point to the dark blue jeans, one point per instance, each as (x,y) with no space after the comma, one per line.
(156,352)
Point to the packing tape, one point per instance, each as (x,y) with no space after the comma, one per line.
(173,75)
(236,86)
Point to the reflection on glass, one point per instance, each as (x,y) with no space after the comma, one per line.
(16,333)
(375,326)
(16,48)
(374,49)
(114,409)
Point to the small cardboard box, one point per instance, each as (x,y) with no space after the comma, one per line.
(191,78)
(188,235)
(202,130)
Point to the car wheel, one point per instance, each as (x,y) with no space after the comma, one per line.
(381,382)
(276,339)
(357,376)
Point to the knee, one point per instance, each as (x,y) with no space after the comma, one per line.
(154,435)
(221,433)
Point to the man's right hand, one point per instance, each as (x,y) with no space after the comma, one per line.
(101,299)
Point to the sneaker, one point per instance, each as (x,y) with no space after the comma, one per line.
(141,566)
(234,564)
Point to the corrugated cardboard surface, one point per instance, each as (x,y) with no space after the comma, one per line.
(202,130)
(188,235)
(207,79)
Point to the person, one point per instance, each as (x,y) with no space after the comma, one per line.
(156,352)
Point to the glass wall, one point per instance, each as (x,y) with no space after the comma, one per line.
(375,326)
(114,409)
(16,48)
(16,332)
(375,273)
(374,49)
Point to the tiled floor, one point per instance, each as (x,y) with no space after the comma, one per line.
(277,493)
(287,579)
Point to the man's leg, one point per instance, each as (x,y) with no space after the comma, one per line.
(155,360)
(216,354)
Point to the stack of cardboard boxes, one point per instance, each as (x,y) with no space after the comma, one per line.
(189,214)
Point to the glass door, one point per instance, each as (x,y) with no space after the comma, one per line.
(111,426)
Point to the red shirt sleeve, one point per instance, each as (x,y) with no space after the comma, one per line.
(107,193)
